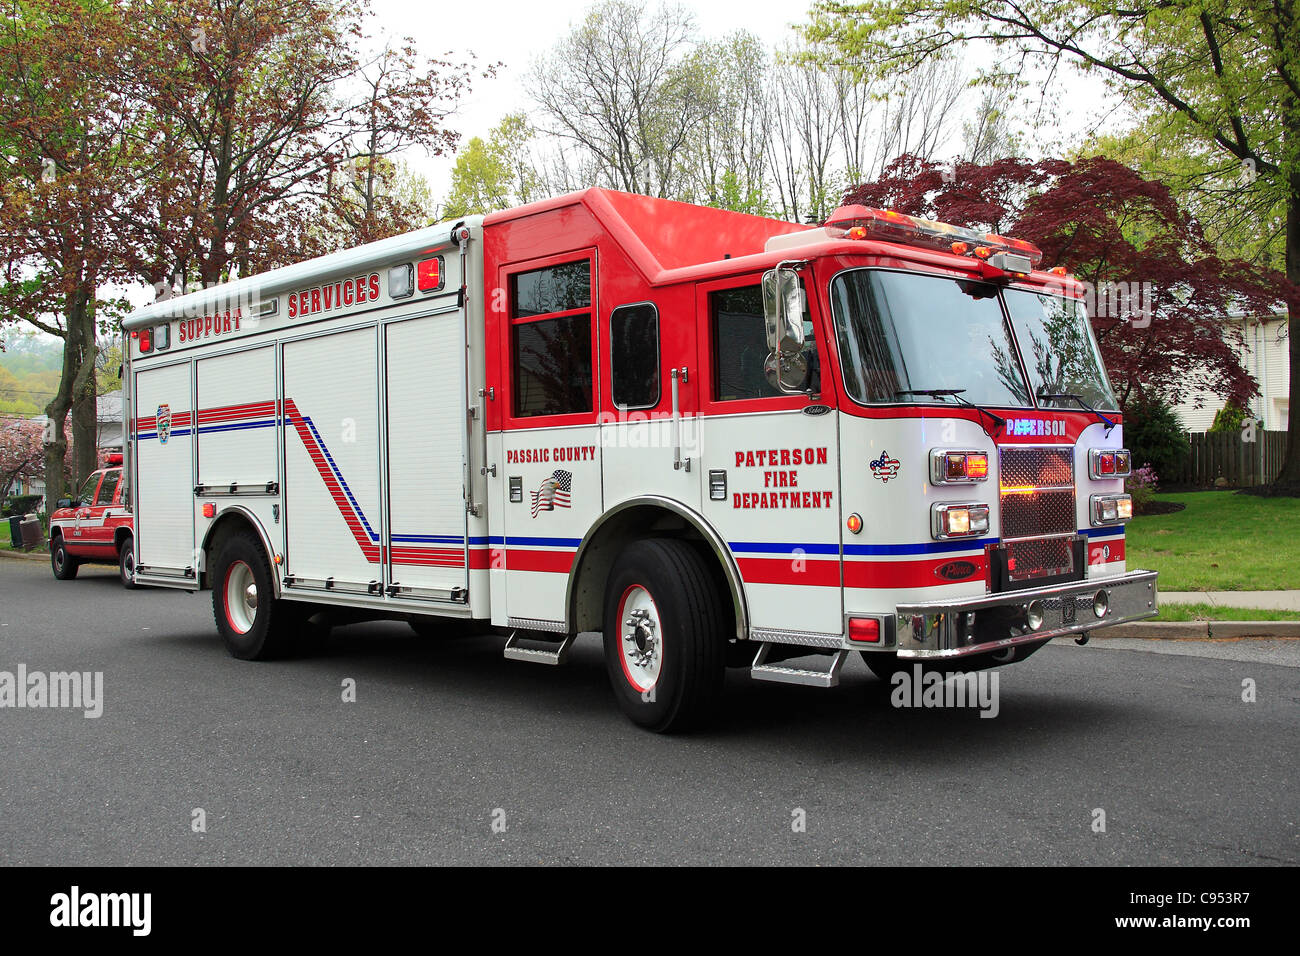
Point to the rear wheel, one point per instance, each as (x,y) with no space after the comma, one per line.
(126,563)
(252,623)
(64,565)
(665,641)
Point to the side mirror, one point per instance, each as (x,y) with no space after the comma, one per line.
(783,307)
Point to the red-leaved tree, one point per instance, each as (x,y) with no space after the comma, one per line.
(1111,228)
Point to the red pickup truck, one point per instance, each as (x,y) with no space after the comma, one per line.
(95,527)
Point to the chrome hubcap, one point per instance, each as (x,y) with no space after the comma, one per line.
(641,638)
(241,597)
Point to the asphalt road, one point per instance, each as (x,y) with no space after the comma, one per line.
(445,739)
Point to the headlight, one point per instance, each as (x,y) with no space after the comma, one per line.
(959,521)
(1110,509)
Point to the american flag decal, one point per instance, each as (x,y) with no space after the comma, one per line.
(553,493)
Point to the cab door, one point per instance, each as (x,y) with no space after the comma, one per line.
(770,465)
(99,525)
(549,470)
(81,541)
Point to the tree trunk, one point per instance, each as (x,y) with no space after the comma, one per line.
(1291,465)
(76,393)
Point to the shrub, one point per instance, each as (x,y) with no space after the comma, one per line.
(20,505)
(1142,485)
(1228,419)
(1154,434)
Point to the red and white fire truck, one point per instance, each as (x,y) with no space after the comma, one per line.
(715,438)
(95,527)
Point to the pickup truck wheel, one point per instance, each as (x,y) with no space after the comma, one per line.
(64,565)
(665,646)
(252,623)
(126,563)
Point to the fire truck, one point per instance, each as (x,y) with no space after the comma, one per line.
(713,438)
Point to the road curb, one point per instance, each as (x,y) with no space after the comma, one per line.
(1199,630)
(25,555)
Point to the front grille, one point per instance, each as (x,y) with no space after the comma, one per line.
(1038,513)
(1039,558)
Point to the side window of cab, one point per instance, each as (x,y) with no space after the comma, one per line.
(739,333)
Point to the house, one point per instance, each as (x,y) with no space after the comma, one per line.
(1266,355)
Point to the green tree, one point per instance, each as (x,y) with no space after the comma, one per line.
(1229,69)
(495,173)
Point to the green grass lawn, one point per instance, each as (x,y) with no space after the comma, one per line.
(1208,612)
(1220,542)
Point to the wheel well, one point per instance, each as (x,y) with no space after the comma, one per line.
(596,559)
(229,524)
(119,538)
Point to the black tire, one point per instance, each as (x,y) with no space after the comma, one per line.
(689,636)
(126,563)
(261,632)
(63,564)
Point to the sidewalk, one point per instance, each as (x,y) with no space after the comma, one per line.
(1264,600)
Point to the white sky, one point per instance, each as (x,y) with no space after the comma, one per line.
(515,33)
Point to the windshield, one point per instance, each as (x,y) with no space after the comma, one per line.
(1060,354)
(901,331)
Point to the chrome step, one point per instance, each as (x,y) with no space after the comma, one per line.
(521,646)
(797,675)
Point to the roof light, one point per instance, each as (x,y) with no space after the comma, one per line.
(894,226)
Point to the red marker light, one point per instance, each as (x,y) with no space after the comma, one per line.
(1106,463)
(146,341)
(864,630)
(429,275)
(977,466)
(209,509)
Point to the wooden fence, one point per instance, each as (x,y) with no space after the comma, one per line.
(1228,456)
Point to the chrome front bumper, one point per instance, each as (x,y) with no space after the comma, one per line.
(945,629)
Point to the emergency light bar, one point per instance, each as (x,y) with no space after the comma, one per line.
(861,222)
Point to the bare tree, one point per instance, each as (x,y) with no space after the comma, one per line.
(623,91)
(806,123)
(729,159)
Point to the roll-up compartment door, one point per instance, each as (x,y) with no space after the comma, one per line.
(237,419)
(425,368)
(164,494)
(331,461)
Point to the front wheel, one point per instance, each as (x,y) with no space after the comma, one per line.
(253,625)
(665,643)
(126,564)
(63,564)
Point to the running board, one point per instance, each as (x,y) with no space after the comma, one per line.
(797,675)
(520,647)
